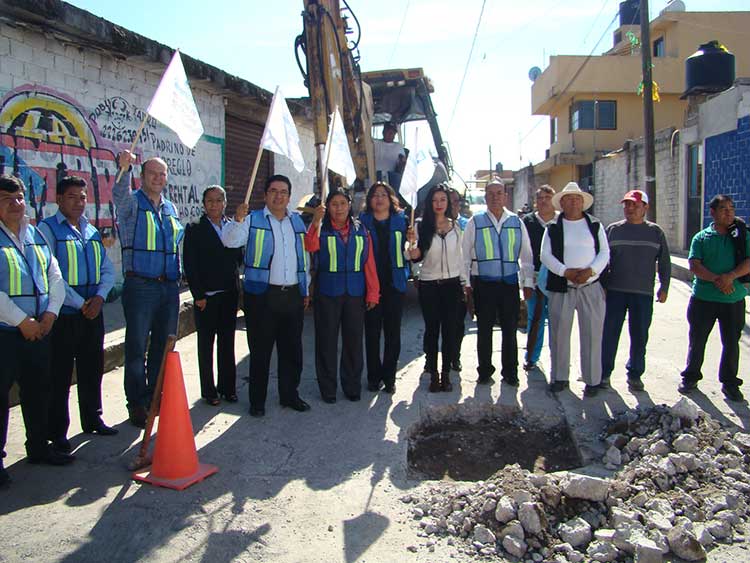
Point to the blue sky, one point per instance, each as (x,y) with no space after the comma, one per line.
(254,39)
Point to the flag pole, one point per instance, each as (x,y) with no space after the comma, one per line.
(254,173)
(413,202)
(133,144)
(324,185)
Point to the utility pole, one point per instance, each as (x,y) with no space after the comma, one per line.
(489,170)
(648,111)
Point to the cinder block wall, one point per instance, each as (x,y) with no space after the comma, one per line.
(727,168)
(70,109)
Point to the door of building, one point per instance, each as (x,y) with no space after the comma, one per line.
(694,202)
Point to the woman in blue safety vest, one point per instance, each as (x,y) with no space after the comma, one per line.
(347,283)
(441,279)
(387,226)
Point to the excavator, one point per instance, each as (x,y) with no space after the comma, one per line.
(327,53)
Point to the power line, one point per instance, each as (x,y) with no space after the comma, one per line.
(468,62)
(596,19)
(400,29)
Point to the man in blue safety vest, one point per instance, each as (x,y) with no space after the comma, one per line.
(78,334)
(150,234)
(497,255)
(31,294)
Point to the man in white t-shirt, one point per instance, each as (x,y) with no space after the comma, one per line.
(576,252)
(389,155)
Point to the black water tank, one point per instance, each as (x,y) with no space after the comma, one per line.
(710,69)
(630,12)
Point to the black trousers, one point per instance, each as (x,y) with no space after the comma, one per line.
(217,322)
(346,314)
(76,339)
(274,318)
(497,300)
(701,316)
(438,302)
(385,318)
(28,363)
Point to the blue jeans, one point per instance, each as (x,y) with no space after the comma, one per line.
(532,356)
(640,309)
(150,307)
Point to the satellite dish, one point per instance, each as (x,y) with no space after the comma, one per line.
(534,73)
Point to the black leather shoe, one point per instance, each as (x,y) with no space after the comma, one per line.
(485,380)
(230,398)
(374,387)
(329,400)
(456,365)
(605,383)
(62,445)
(635,384)
(5,479)
(390,389)
(298,405)
(512,381)
(557,386)
(213,401)
(53,457)
(137,417)
(590,390)
(102,430)
(732,393)
(257,413)
(353,398)
(687,386)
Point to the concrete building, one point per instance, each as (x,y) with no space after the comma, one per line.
(593,103)
(73,91)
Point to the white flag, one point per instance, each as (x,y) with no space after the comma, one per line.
(337,155)
(419,169)
(280,135)
(174,106)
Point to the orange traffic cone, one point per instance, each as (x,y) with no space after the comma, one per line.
(175,464)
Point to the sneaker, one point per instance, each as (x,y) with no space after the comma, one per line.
(590,390)
(732,393)
(605,383)
(635,384)
(557,386)
(687,386)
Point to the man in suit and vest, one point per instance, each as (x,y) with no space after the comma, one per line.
(575,251)
(211,272)
(276,291)
(78,334)
(150,234)
(497,254)
(536,223)
(31,294)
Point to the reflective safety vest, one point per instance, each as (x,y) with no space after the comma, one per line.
(156,240)
(399,266)
(497,253)
(24,277)
(341,267)
(80,262)
(259,253)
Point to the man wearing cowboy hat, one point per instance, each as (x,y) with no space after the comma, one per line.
(635,245)
(575,251)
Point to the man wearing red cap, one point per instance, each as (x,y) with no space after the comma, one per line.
(635,248)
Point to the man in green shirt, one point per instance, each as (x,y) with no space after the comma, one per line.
(717,295)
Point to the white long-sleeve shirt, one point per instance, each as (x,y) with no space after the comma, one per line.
(525,258)
(444,259)
(12,314)
(578,250)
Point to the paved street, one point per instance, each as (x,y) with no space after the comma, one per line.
(322,486)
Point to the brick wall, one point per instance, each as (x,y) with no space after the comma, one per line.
(623,170)
(727,168)
(69,109)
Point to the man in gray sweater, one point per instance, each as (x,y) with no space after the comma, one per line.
(636,246)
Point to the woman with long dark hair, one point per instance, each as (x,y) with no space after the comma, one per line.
(347,284)
(387,226)
(440,282)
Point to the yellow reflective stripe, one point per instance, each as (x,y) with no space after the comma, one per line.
(260,235)
(399,250)
(333,255)
(43,264)
(175,230)
(150,231)
(70,246)
(14,272)
(97,262)
(302,248)
(511,244)
(489,250)
(360,246)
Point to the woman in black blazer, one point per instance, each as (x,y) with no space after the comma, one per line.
(211,272)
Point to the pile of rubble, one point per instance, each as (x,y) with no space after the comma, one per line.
(681,484)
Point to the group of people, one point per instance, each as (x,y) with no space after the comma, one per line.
(354,269)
